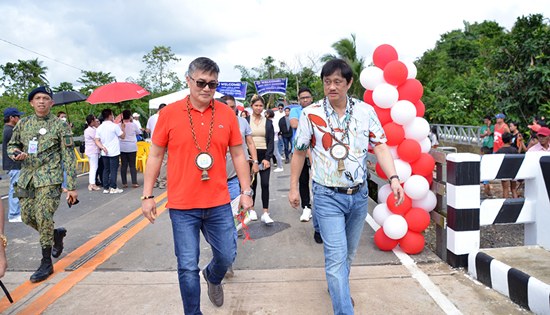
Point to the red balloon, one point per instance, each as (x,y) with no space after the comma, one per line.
(394,133)
(402,208)
(384,114)
(420,108)
(395,72)
(384,242)
(411,90)
(383,54)
(409,150)
(417,219)
(380,172)
(367,97)
(424,165)
(412,243)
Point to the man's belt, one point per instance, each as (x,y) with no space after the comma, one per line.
(347,190)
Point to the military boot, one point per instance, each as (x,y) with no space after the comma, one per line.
(58,235)
(46,266)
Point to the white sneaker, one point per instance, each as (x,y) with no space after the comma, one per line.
(115,191)
(278,170)
(105,191)
(306,215)
(252,215)
(16,219)
(266,218)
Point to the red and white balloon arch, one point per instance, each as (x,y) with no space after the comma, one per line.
(394,93)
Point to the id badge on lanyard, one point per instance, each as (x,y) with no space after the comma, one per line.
(33,146)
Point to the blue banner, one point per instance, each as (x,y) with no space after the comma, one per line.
(235,89)
(277,86)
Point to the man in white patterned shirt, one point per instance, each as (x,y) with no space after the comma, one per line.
(338,130)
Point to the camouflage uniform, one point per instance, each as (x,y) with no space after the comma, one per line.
(39,184)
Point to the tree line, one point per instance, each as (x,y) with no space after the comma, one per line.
(482,69)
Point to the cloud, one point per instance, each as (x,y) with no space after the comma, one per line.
(112,36)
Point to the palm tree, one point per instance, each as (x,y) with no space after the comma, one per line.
(346,49)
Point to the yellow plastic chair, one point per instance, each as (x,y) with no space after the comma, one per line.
(141,155)
(82,159)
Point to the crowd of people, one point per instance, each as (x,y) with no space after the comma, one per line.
(323,141)
(505,138)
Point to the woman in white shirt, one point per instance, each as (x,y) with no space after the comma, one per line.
(91,150)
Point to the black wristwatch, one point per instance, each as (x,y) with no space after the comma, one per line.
(392,177)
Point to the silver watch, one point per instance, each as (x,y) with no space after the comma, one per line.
(247,192)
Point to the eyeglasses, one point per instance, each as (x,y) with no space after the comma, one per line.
(335,82)
(201,84)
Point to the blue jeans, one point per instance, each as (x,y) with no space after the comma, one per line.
(110,168)
(234,187)
(13,202)
(218,228)
(341,219)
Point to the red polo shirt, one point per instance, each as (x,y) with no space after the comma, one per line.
(186,190)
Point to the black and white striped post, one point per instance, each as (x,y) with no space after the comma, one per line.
(465,214)
(463,196)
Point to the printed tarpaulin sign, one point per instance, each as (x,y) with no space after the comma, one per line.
(277,86)
(235,89)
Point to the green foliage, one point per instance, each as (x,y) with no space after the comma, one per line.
(157,76)
(485,70)
(91,80)
(346,49)
(18,79)
(304,77)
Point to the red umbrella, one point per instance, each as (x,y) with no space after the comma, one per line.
(117,92)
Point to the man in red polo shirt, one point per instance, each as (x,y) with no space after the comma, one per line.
(197,132)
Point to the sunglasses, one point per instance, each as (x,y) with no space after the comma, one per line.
(201,84)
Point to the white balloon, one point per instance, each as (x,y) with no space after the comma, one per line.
(416,187)
(371,77)
(380,213)
(385,95)
(425,145)
(393,151)
(411,68)
(417,129)
(383,193)
(395,226)
(428,203)
(403,112)
(403,170)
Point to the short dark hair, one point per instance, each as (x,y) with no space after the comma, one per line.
(488,117)
(126,114)
(507,137)
(7,119)
(335,65)
(304,89)
(203,64)
(228,97)
(161,106)
(221,100)
(106,113)
(269,113)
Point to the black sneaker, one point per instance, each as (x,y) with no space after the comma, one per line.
(215,291)
(317,238)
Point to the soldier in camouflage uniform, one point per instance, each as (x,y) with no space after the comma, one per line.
(42,142)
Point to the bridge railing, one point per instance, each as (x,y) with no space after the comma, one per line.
(459,134)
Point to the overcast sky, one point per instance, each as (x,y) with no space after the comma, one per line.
(112,36)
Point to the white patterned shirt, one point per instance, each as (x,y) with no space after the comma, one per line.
(364,129)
